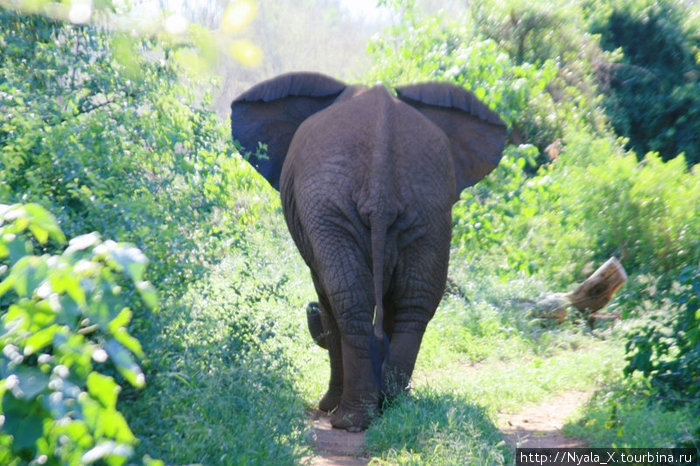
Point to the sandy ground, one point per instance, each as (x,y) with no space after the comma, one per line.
(539,425)
(334,446)
(536,426)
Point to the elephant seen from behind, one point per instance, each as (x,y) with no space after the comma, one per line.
(367,179)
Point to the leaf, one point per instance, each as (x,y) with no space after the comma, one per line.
(40,339)
(18,248)
(121,320)
(103,389)
(148,294)
(43,224)
(7,284)
(130,259)
(115,427)
(69,282)
(23,420)
(31,382)
(129,342)
(125,364)
(28,274)
(69,312)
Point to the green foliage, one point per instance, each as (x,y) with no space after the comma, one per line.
(644,213)
(592,200)
(624,414)
(135,157)
(667,350)
(653,90)
(64,321)
(436,428)
(232,360)
(539,95)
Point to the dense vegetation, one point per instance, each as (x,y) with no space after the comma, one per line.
(652,92)
(103,141)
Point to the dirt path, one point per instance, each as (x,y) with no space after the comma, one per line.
(537,426)
(335,446)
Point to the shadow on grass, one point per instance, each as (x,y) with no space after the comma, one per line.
(429,427)
(214,409)
(221,382)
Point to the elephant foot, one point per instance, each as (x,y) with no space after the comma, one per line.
(330,400)
(353,419)
(396,383)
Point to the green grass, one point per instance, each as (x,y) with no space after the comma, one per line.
(229,359)
(435,426)
(231,363)
(483,354)
(450,418)
(622,414)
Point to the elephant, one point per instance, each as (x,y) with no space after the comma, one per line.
(367,178)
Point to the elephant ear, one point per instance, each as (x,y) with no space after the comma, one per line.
(476,134)
(271,112)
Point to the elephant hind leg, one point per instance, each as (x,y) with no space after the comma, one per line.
(331,399)
(332,340)
(418,288)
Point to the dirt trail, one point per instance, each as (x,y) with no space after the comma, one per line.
(537,426)
(334,446)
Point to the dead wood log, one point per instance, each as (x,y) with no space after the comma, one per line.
(597,290)
(588,298)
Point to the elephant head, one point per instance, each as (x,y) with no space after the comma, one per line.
(367,180)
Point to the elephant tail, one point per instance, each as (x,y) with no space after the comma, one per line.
(378,229)
(378,338)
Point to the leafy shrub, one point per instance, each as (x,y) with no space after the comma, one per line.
(132,155)
(624,414)
(64,321)
(138,157)
(667,350)
(652,91)
(592,200)
(593,203)
(520,59)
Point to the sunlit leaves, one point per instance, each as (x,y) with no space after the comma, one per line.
(63,313)
(246,52)
(124,50)
(238,15)
(203,44)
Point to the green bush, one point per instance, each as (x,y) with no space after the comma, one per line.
(592,200)
(667,350)
(64,323)
(652,91)
(624,414)
(130,153)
